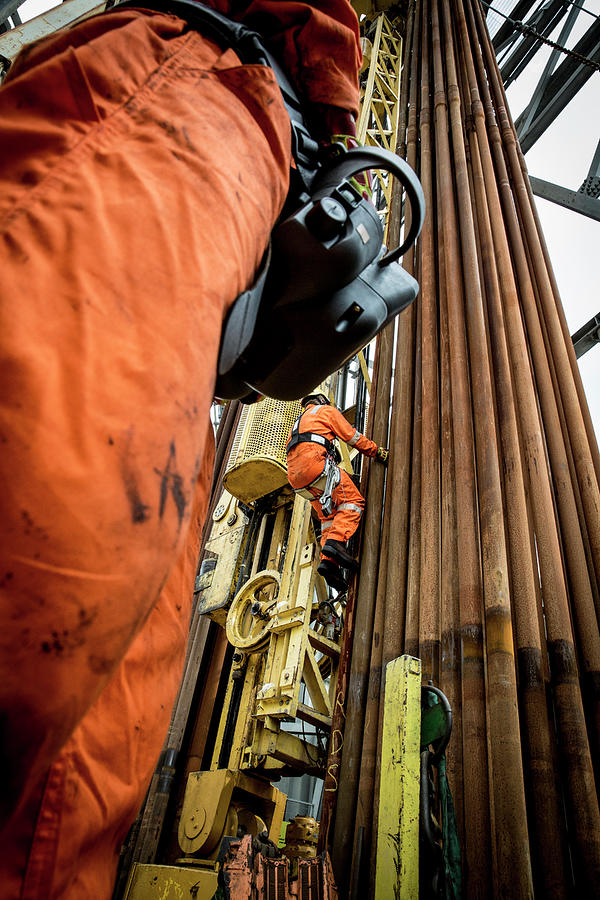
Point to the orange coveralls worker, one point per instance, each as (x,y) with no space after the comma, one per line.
(141,172)
(306,464)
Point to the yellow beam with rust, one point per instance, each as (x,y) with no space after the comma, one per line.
(364,369)
(397,868)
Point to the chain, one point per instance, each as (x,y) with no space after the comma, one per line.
(527,29)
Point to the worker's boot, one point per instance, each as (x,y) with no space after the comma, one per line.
(337,551)
(332,574)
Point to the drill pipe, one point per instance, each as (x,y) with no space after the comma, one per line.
(489,538)
(477,827)
(363,629)
(581,794)
(536,734)
(429,588)
(450,673)
(413,574)
(399,470)
(585,410)
(577,433)
(368,756)
(546,532)
(513,867)
(409,639)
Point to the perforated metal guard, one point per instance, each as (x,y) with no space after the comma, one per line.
(256,464)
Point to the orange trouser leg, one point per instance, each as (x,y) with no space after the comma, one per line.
(140,174)
(347,511)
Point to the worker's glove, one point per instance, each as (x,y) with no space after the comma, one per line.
(363,182)
(382,455)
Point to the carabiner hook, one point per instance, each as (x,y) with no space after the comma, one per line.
(346,165)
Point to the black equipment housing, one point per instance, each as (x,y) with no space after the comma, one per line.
(326,288)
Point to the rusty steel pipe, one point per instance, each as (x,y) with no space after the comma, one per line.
(399,470)
(546,532)
(477,849)
(547,835)
(429,587)
(473,541)
(413,572)
(571,534)
(369,754)
(363,627)
(512,862)
(409,643)
(585,410)
(586,473)
(450,673)
(581,794)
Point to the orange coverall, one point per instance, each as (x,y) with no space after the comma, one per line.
(142,169)
(306,462)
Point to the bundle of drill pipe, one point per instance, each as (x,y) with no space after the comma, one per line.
(485,562)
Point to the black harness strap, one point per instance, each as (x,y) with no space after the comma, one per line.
(306,437)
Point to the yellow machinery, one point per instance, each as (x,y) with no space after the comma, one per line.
(258,580)
(257,461)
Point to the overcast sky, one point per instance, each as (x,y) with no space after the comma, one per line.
(562,155)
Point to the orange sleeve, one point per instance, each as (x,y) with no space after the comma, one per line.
(347,433)
(316,41)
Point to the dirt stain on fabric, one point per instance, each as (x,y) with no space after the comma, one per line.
(171,483)
(31,529)
(63,641)
(140,511)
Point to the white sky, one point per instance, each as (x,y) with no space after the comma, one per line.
(562,155)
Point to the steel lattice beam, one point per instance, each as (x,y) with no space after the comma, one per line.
(544,21)
(562,86)
(575,200)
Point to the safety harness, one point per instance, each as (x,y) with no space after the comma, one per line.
(322,487)
(303,437)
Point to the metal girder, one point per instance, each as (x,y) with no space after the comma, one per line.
(562,86)
(506,34)
(549,68)
(8,8)
(46,23)
(590,185)
(562,196)
(587,336)
(545,20)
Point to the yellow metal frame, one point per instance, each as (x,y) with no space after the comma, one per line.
(152,882)
(215,800)
(225,546)
(279,653)
(380,108)
(397,869)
